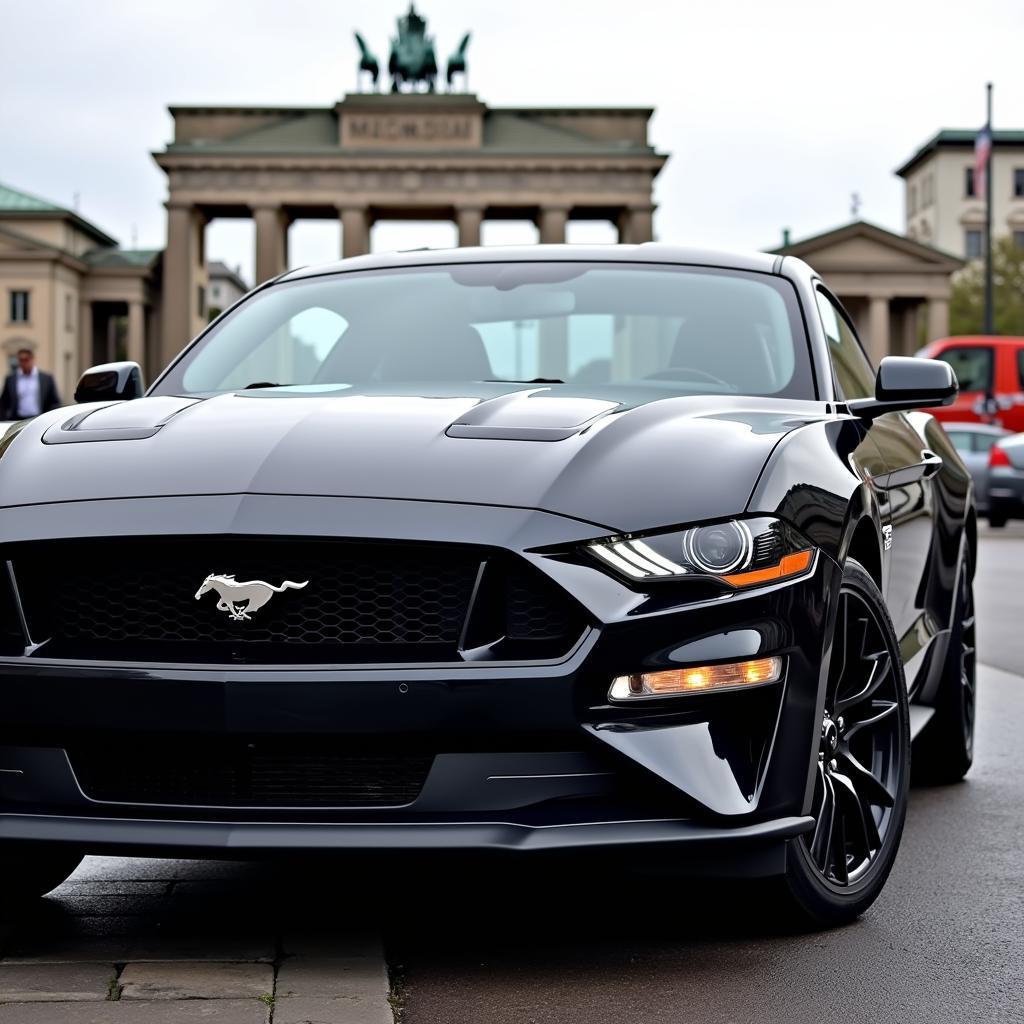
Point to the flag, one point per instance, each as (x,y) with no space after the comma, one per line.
(982,155)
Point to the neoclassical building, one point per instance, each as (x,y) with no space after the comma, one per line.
(69,293)
(402,156)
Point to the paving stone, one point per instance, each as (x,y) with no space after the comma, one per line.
(187,1011)
(199,945)
(362,977)
(54,982)
(318,1010)
(196,981)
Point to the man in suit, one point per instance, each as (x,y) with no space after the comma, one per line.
(28,391)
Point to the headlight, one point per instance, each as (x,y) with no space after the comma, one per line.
(740,552)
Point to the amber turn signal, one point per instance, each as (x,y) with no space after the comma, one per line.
(696,679)
(791,565)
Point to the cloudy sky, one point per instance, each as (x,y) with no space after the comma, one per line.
(773,113)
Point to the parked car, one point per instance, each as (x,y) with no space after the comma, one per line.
(974,441)
(1006,480)
(620,548)
(990,370)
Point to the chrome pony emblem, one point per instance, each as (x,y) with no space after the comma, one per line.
(239,600)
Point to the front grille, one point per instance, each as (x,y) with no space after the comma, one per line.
(135,599)
(247,774)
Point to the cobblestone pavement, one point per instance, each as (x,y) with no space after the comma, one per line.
(155,941)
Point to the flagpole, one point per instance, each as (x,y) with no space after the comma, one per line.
(989,315)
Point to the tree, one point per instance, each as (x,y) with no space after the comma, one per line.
(967,303)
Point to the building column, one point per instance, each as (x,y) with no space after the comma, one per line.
(137,333)
(85,345)
(355,231)
(878,328)
(636,225)
(938,318)
(552,222)
(469,220)
(181,318)
(271,242)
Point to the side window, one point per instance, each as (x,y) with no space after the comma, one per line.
(972,366)
(961,440)
(984,442)
(853,372)
(1020,367)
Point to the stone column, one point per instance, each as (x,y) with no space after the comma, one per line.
(85,353)
(181,319)
(638,222)
(552,222)
(878,328)
(469,220)
(355,231)
(938,318)
(271,242)
(137,333)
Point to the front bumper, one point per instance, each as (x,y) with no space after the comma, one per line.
(524,756)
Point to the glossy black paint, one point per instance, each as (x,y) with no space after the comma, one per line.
(904,383)
(535,471)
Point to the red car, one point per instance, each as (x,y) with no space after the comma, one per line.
(990,370)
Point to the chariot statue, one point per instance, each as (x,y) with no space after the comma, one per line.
(412,61)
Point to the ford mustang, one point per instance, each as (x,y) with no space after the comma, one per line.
(561,548)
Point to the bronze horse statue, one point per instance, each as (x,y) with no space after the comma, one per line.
(411,60)
(367,61)
(457,62)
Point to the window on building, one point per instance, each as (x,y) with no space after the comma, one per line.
(19,307)
(201,300)
(69,312)
(853,371)
(1018,239)
(1018,182)
(912,201)
(972,244)
(969,182)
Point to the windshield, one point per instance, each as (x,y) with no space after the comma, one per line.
(683,330)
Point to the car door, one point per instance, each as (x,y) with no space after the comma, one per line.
(903,483)
(974,366)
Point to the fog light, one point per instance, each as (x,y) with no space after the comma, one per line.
(697,679)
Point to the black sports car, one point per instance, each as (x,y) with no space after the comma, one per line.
(523,550)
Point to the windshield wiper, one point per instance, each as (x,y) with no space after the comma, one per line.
(534,380)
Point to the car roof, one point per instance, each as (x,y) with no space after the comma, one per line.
(647,252)
(975,428)
(970,340)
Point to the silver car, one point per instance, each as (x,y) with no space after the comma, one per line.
(1006,480)
(974,442)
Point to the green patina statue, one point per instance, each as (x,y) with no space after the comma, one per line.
(412,60)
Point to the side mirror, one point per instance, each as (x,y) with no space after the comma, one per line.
(904,382)
(110,382)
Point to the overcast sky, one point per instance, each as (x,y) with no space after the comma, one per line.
(772,113)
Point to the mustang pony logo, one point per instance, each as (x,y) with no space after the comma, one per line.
(240,599)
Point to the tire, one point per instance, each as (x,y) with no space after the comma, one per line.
(28,871)
(944,751)
(997,518)
(834,873)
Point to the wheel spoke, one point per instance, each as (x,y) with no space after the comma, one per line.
(864,838)
(838,848)
(821,843)
(880,711)
(881,664)
(837,665)
(869,789)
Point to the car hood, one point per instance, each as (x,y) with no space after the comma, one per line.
(616,458)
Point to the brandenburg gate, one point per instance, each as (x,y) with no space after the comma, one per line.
(402,156)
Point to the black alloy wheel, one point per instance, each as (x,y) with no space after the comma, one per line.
(859,803)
